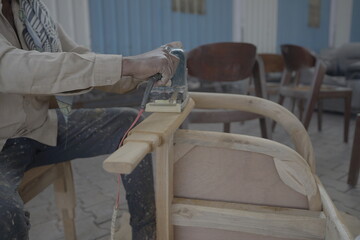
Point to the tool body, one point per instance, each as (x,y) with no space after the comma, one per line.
(149,85)
(171,98)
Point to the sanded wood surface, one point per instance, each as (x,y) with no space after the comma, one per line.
(264,107)
(148,135)
(164,189)
(36,180)
(125,159)
(235,217)
(335,225)
(164,124)
(253,165)
(206,219)
(66,200)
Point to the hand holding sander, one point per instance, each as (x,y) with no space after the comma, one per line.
(171,98)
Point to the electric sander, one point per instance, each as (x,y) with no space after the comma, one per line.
(171,98)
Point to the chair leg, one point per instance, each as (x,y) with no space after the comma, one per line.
(293,101)
(65,199)
(355,156)
(319,115)
(308,114)
(281,102)
(265,124)
(347,113)
(185,124)
(301,108)
(227,127)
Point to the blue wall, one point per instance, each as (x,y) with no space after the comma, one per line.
(355,22)
(131,27)
(293,25)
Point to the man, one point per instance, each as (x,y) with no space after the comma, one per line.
(38,60)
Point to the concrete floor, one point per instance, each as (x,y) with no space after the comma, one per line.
(95,188)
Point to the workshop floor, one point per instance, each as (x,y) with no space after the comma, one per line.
(95,188)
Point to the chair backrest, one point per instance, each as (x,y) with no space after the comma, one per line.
(273,63)
(297,58)
(226,61)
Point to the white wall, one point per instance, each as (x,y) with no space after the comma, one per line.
(73,17)
(256,22)
(340,22)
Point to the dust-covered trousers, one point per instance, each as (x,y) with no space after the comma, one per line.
(87,133)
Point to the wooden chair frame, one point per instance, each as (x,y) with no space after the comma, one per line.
(37,179)
(158,133)
(296,59)
(354,167)
(273,63)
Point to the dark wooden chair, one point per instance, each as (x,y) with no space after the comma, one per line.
(355,156)
(273,63)
(227,62)
(296,59)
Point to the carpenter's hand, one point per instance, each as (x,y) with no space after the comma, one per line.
(147,64)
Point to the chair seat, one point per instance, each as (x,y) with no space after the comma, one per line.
(301,91)
(36,180)
(327,91)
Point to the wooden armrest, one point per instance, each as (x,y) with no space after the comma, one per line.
(144,138)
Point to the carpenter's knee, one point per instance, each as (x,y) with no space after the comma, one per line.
(127,115)
(14,221)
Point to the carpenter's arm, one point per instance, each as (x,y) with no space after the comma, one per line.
(135,69)
(32,72)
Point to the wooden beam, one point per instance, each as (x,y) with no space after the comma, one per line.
(144,138)
(263,220)
(164,123)
(125,159)
(36,180)
(335,225)
(164,189)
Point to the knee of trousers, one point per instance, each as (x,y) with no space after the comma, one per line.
(14,221)
(126,116)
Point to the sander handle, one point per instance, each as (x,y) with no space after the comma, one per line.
(150,83)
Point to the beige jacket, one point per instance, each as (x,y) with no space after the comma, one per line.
(28,78)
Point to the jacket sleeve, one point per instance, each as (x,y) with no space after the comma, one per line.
(32,72)
(67,44)
(124,85)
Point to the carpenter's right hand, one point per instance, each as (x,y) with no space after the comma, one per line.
(145,65)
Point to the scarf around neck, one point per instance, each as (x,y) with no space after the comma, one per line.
(40,34)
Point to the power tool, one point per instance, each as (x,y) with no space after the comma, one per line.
(171,98)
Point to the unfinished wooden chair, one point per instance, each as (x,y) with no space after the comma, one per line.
(296,60)
(354,167)
(60,175)
(212,185)
(227,62)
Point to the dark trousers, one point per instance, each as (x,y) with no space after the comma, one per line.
(87,133)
